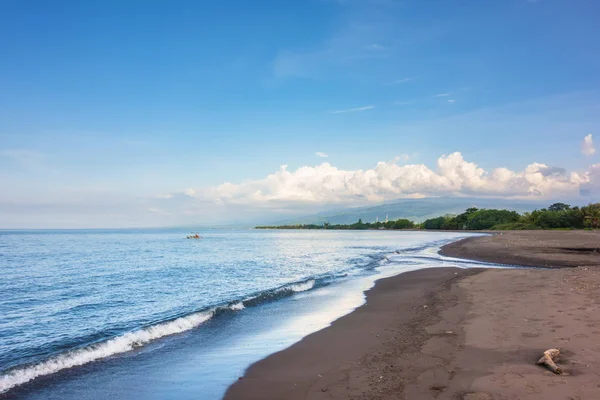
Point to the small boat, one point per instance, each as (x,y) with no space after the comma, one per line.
(195,236)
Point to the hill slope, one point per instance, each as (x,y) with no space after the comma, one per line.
(416,210)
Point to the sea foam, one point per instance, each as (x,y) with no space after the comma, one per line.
(134,339)
(117,345)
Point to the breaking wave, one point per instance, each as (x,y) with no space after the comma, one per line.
(132,340)
(281,292)
(119,344)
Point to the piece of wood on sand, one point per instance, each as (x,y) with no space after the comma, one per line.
(548,359)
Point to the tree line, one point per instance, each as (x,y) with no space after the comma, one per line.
(398,224)
(556,216)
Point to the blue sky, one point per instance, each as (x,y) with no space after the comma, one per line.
(110,111)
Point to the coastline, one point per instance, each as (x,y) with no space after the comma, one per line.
(456,333)
(553,248)
(204,362)
(358,355)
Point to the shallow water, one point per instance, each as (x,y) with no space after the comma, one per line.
(148,314)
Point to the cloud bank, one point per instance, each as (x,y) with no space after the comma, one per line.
(452,176)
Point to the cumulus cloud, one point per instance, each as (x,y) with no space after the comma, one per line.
(592,186)
(321,154)
(587,147)
(452,176)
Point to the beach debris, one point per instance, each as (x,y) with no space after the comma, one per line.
(548,359)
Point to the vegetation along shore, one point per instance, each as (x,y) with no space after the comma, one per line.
(556,216)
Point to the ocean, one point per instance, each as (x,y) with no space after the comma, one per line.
(149,314)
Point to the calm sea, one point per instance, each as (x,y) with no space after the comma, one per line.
(148,314)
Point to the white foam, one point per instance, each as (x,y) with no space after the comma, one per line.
(238,306)
(300,287)
(119,344)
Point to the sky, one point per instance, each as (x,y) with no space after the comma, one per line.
(161,113)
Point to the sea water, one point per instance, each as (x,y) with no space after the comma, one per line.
(150,314)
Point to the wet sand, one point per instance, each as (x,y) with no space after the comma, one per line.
(448,333)
(531,248)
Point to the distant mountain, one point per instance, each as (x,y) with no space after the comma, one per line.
(416,210)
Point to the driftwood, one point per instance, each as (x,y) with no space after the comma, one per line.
(548,359)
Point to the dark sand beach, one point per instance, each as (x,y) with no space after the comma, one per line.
(448,333)
(531,248)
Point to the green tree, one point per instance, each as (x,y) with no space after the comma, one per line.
(434,223)
(559,207)
(359,225)
(486,219)
(591,215)
(403,224)
(460,221)
(558,215)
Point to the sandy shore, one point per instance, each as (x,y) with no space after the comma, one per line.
(531,248)
(447,333)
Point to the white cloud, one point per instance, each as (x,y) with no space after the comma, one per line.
(442,95)
(402,103)
(587,147)
(453,176)
(451,101)
(321,154)
(352,110)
